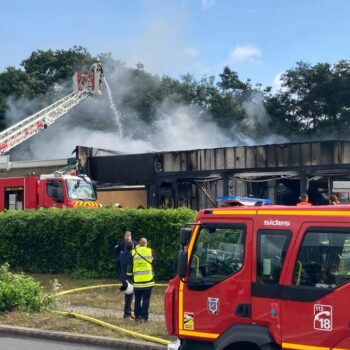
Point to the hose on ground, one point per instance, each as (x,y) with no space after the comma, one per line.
(70,291)
(113,327)
(103,323)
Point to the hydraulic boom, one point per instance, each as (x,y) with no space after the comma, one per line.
(84,86)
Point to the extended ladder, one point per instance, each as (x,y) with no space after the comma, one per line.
(31,125)
(84,86)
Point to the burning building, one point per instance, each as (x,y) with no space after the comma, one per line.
(194,178)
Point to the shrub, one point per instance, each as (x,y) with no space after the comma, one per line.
(18,291)
(55,241)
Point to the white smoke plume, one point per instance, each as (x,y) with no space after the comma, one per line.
(93,124)
(178,127)
(164,47)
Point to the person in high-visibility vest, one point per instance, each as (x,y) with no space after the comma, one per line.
(304,200)
(143,276)
(333,200)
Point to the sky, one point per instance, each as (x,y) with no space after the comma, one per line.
(259,39)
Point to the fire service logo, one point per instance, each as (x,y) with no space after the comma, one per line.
(323,315)
(213,305)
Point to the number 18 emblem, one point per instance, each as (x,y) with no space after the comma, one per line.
(323,316)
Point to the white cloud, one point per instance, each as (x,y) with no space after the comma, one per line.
(206,4)
(191,51)
(277,83)
(244,53)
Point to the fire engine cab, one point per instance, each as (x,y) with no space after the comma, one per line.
(263,278)
(47,191)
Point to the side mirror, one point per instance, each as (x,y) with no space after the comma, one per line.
(185,235)
(182,264)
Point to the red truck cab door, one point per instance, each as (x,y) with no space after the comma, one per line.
(315,299)
(217,292)
(52,193)
(270,255)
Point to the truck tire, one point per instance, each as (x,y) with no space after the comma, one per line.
(246,336)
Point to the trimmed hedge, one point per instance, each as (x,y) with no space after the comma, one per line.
(56,241)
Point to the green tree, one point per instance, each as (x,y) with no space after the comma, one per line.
(230,80)
(143,94)
(40,72)
(51,66)
(314,100)
(17,83)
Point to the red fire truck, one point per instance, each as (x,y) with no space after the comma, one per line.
(263,278)
(62,189)
(46,191)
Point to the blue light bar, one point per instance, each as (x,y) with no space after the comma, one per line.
(243,200)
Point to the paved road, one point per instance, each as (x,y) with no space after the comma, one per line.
(11,343)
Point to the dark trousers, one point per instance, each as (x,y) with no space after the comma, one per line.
(127,304)
(142,300)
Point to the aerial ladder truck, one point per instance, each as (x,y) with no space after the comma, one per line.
(63,189)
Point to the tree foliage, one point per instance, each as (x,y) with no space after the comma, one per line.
(312,102)
(50,66)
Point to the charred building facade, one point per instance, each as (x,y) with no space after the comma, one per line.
(280,172)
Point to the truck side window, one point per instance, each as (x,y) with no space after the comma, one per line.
(323,260)
(271,252)
(55,190)
(218,253)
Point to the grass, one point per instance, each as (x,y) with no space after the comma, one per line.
(102,298)
(105,304)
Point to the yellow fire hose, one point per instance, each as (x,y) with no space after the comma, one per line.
(111,326)
(75,290)
(106,324)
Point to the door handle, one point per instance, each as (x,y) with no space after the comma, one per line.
(243,310)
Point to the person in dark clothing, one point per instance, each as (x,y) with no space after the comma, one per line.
(126,262)
(120,247)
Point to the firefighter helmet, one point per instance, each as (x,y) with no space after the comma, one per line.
(129,288)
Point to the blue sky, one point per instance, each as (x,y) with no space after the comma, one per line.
(257,38)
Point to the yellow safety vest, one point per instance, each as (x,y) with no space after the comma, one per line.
(142,267)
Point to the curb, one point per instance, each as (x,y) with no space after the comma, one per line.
(106,342)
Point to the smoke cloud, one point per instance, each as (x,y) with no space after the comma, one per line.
(164,47)
(93,123)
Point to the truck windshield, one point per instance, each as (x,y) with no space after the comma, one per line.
(80,189)
(218,253)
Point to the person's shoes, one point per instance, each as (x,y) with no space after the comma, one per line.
(129,317)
